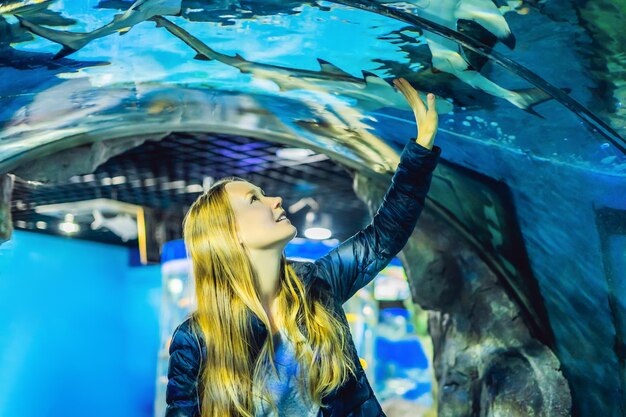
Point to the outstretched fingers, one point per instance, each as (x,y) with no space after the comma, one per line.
(411,96)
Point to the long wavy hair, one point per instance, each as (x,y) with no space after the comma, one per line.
(227,293)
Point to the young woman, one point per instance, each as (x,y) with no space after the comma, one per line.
(269,336)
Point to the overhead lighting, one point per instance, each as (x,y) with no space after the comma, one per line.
(118,180)
(317,226)
(173,185)
(317,233)
(69,226)
(194,188)
(294,154)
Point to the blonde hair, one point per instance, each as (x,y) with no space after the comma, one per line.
(227,293)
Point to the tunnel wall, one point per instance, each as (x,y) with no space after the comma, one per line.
(78,334)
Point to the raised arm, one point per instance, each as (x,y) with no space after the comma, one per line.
(354,263)
(181,393)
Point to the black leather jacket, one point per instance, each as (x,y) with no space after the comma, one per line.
(337,275)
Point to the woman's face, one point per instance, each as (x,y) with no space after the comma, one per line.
(256,216)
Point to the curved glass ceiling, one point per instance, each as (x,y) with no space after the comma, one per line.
(530,95)
(319,71)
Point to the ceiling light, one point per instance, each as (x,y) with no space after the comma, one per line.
(19,204)
(317,233)
(194,188)
(118,180)
(295,154)
(173,185)
(69,226)
(317,226)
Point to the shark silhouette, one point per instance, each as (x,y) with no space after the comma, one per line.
(446,55)
(451,50)
(140,11)
(431,79)
(23,6)
(449,57)
(559,94)
(339,120)
(371,92)
(227,11)
(37,12)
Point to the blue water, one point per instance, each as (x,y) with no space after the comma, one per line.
(293,72)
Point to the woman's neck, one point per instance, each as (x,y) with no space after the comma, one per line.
(267,267)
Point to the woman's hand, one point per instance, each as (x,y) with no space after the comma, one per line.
(427,119)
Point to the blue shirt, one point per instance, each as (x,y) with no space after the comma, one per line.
(285,390)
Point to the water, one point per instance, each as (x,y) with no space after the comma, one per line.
(531,184)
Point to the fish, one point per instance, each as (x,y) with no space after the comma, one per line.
(337,119)
(449,57)
(123,225)
(528,98)
(12,59)
(23,6)
(36,11)
(225,11)
(371,92)
(429,78)
(140,11)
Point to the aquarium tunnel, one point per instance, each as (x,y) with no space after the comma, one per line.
(509,297)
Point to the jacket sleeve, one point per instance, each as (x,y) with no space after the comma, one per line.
(354,263)
(181,394)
